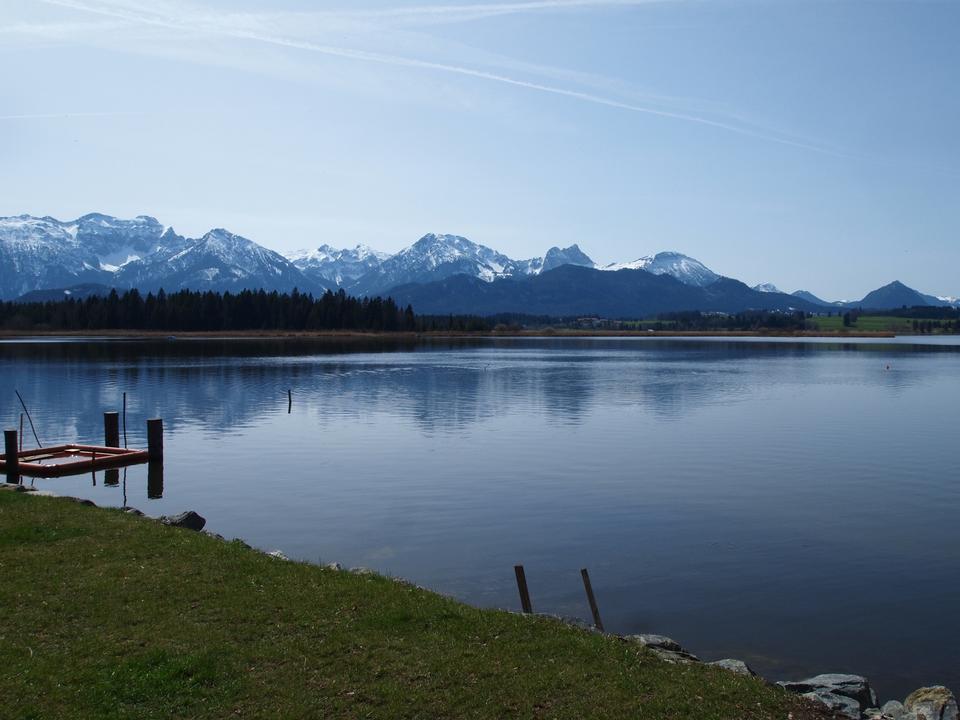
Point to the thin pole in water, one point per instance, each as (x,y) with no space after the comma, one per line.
(522,586)
(20,397)
(21,432)
(591,599)
(124,419)
(289,401)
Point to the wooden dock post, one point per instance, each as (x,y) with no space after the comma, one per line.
(598,623)
(155,440)
(154,481)
(11,456)
(522,586)
(111,429)
(289,401)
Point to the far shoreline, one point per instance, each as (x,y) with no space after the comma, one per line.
(429,335)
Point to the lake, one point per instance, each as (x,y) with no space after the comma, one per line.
(789,503)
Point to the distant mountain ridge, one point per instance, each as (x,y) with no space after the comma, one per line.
(48,258)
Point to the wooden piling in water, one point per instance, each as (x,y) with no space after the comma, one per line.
(289,401)
(154,481)
(11,456)
(591,599)
(155,440)
(111,429)
(21,431)
(125,419)
(522,587)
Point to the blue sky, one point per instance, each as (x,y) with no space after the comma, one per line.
(809,143)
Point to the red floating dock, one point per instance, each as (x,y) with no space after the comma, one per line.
(72,459)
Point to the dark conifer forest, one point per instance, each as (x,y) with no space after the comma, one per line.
(248,310)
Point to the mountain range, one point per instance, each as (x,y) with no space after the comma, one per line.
(42,258)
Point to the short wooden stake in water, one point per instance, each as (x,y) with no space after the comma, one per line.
(522,586)
(11,456)
(155,440)
(591,599)
(289,401)
(111,429)
(125,419)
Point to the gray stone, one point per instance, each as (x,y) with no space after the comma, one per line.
(656,641)
(132,511)
(677,657)
(892,709)
(931,703)
(278,555)
(362,571)
(839,704)
(80,501)
(189,520)
(334,566)
(12,487)
(665,648)
(855,687)
(735,666)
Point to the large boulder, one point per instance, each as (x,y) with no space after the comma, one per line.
(189,520)
(854,687)
(837,704)
(930,703)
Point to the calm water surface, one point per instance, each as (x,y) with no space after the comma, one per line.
(793,504)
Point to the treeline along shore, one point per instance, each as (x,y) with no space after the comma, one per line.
(248,310)
(262,312)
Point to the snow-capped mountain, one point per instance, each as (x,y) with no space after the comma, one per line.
(335,267)
(682,267)
(45,258)
(218,261)
(46,253)
(435,257)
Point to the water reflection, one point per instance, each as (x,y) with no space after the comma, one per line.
(747,497)
(223,386)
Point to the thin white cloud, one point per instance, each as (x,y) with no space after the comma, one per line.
(184,19)
(66,116)
(479,11)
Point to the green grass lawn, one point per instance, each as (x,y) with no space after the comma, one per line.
(105,615)
(865,323)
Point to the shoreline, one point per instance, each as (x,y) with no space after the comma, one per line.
(431,335)
(827,695)
(267,636)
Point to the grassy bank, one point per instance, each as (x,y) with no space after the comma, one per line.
(111,616)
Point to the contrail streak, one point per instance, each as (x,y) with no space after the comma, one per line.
(400,61)
(60,116)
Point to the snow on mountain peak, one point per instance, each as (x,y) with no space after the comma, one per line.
(682,267)
(767,288)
